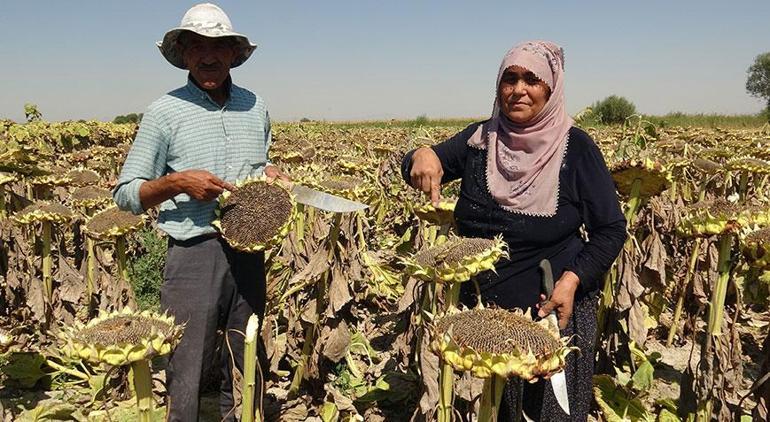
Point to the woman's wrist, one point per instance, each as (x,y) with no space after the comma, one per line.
(571,279)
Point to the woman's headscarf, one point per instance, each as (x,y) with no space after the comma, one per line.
(523,160)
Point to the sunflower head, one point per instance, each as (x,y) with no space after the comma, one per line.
(748,164)
(122,337)
(83,177)
(54,176)
(353,164)
(347,186)
(43,211)
(457,259)
(491,342)
(756,248)
(710,217)
(441,215)
(655,178)
(256,216)
(706,166)
(112,223)
(90,197)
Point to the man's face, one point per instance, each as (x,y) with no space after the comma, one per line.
(208,59)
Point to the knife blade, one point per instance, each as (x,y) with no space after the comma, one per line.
(323,200)
(559,379)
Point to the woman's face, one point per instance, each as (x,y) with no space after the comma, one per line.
(521,95)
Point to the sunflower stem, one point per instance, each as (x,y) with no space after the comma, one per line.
(716,307)
(307,348)
(743,186)
(142,380)
(249,413)
(683,292)
(300,223)
(452,295)
(3,212)
(47,261)
(90,267)
(120,253)
(490,398)
(69,371)
(446,394)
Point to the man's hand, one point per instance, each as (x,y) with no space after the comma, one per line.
(562,299)
(201,184)
(426,173)
(273,172)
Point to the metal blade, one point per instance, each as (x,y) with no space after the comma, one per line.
(325,201)
(526,417)
(559,385)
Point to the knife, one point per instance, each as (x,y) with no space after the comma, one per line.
(559,379)
(322,200)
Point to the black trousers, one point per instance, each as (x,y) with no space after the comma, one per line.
(208,286)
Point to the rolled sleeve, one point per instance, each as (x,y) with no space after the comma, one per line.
(146,161)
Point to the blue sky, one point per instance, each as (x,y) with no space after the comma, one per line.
(365,59)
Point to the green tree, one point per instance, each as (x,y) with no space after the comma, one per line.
(758,81)
(32,113)
(128,118)
(613,110)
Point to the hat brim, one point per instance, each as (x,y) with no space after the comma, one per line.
(168,47)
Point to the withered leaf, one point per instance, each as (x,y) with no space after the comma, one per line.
(339,291)
(336,345)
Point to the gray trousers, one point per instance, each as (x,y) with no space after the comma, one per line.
(208,286)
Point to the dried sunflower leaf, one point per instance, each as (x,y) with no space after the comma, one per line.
(336,345)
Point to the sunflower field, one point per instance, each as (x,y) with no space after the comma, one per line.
(362,320)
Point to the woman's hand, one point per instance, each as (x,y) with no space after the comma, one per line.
(426,173)
(562,299)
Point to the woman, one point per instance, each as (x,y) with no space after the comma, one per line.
(529,174)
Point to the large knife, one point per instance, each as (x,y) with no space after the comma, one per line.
(559,379)
(322,200)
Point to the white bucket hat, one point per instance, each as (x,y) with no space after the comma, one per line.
(210,21)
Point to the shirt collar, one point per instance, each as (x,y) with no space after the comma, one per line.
(195,90)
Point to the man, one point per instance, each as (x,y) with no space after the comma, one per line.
(192,144)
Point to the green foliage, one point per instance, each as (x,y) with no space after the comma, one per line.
(758,80)
(421,120)
(145,269)
(49,410)
(707,120)
(32,113)
(128,118)
(764,114)
(613,110)
(24,370)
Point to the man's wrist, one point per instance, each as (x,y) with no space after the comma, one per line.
(174,181)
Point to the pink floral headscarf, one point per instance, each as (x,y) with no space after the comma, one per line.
(523,160)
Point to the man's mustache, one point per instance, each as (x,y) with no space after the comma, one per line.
(215,66)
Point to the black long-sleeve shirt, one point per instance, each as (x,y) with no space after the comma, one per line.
(586,197)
